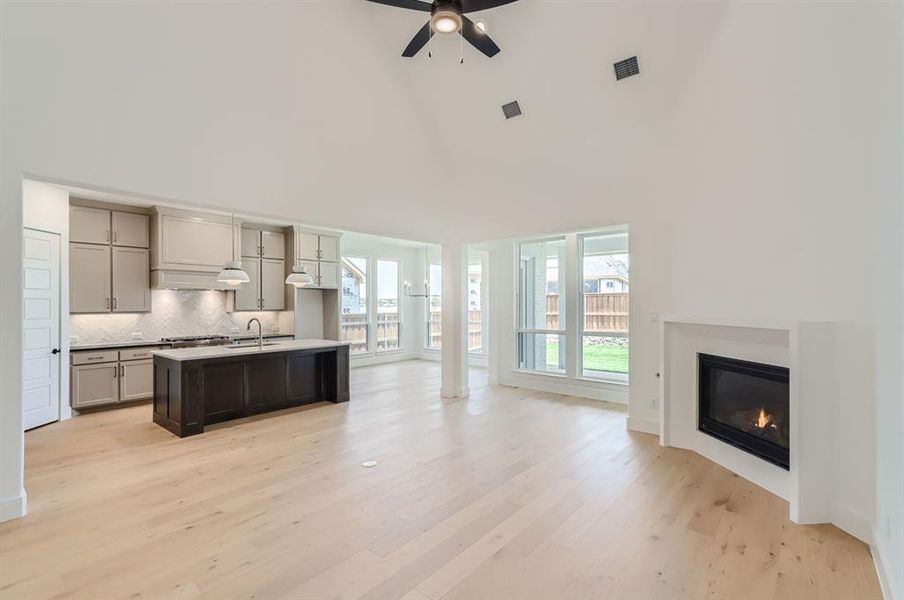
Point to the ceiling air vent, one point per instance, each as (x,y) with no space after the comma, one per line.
(626,68)
(511,110)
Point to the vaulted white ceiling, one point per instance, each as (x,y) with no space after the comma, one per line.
(306,110)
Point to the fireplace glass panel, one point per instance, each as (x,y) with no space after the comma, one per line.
(746,404)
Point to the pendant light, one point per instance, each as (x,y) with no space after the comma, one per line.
(299,277)
(232,273)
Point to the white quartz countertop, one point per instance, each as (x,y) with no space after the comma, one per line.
(244,349)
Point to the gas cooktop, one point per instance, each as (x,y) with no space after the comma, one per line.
(189,341)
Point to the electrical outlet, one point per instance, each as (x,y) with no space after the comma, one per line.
(137,335)
(654,317)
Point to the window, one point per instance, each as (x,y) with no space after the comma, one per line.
(476,313)
(541,306)
(435,307)
(388,321)
(604,323)
(355,324)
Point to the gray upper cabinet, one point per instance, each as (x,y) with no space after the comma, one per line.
(131,285)
(318,247)
(251,242)
(191,242)
(89,278)
(247,295)
(263,258)
(130,229)
(308,246)
(109,261)
(273,283)
(89,225)
(273,245)
(328,277)
(329,248)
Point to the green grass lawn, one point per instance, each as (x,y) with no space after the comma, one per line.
(613,359)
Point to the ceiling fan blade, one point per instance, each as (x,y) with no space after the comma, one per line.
(419,40)
(475,5)
(410,4)
(477,38)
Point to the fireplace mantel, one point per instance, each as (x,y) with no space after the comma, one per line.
(806,348)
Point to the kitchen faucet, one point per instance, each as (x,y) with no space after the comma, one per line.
(260,331)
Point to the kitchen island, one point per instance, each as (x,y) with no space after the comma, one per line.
(194,387)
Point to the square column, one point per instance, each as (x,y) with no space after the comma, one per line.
(454,352)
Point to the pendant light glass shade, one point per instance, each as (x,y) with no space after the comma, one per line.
(299,277)
(232,274)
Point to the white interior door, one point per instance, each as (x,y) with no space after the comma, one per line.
(41,328)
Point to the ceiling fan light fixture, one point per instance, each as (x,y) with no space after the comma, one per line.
(481,26)
(446,20)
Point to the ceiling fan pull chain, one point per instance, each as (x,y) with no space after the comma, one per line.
(430,42)
(461,48)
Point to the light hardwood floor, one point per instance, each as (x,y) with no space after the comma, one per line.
(508,494)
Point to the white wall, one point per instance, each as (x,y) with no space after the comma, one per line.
(411,256)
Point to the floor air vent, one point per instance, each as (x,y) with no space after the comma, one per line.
(626,68)
(511,110)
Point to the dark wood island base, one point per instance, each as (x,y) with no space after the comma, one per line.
(190,393)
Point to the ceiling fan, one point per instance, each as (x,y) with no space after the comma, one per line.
(447,16)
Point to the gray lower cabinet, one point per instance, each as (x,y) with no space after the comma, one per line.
(106,377)
(136,379)
(95,385)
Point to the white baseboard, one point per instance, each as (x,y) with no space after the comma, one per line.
(462,392)
(853,523)
(881,572)
(13,508)
(379,358)
(607,392)
(642,425)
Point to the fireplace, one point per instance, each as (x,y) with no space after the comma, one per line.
(745,404)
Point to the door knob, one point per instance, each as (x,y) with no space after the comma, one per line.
(55,351)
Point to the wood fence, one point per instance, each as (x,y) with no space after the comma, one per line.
(603,314)
(354,328)
(475,330)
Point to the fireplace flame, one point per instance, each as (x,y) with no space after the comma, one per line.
(763,419)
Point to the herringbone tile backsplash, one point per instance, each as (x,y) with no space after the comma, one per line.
(175,313)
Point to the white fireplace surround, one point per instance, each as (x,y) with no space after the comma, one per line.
(806,349)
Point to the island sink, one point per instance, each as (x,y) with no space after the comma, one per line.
(194,387)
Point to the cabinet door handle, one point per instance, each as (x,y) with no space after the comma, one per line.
(115,372)
(114,303)
(108,235)
(122,370)
(114,235)
(108,303)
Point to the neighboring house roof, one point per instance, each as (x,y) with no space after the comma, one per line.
(355,271)
(599,267)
